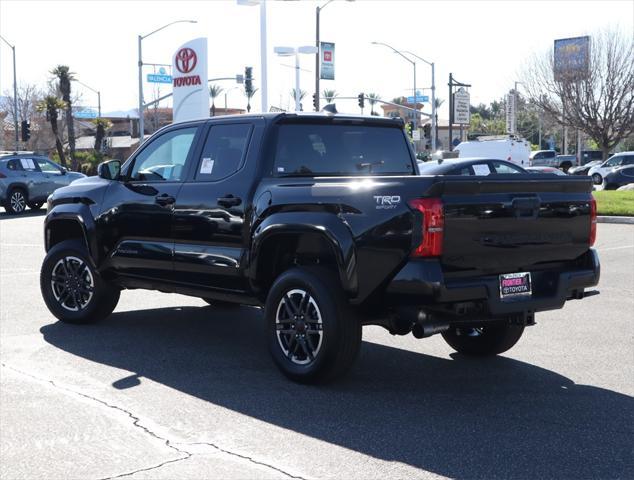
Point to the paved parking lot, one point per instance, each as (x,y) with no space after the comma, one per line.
(168,387)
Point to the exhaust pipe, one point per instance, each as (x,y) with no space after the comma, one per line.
(423,330)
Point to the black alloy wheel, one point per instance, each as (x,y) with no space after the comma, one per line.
(72,288)
(314,335)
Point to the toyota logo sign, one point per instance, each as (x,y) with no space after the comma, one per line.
(185,60)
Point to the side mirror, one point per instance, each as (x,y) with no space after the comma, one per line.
(109,170)
(63,170)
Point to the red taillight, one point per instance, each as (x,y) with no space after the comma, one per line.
(593,221)
(433,226)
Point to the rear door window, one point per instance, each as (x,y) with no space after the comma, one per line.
(224,151)
(28,164)
(340,149)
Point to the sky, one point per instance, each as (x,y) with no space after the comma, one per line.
(483,43)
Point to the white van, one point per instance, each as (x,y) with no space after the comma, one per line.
(505,147)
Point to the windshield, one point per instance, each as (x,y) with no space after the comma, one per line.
(318,149)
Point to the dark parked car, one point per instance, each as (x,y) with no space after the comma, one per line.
(468,166)
(27,180)
(583,169)
(323,221)
(618,177)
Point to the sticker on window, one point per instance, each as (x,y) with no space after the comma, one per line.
(280,169)
(481,169)
(27,163)
(207,166)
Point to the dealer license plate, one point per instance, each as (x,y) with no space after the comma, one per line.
(514,285)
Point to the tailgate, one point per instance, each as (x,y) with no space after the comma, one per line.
(510,224)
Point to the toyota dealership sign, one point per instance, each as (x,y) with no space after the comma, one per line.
(189,67)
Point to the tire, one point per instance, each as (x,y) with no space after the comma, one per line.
(89,298)
(35,205)
(597,178)
(319,350)
(219,303)
(565,167)
(16,201)
(484,341)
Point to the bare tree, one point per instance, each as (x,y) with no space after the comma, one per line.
(600,104)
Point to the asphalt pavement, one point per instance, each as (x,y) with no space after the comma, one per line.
(169,387)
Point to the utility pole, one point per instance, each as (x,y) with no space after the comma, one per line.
(15,99)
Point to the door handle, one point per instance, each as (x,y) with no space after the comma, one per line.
(229,201)
(165,200)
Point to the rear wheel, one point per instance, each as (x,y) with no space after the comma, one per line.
(597,178)
(72,289)
(482,341)
(16,201)
(313,334)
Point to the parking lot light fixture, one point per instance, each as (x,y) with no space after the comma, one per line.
(289,52)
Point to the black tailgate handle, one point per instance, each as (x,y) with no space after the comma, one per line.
(526,207)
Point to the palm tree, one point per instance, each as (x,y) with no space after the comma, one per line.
(64,77)
(102,126)
(249,94)
(215,91)
(330,95)
(302,94)
(52,105)
(399,100)
(372,99)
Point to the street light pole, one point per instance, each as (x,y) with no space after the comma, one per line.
(15,98)
(434,118)
(140,63)
(414,65)
(289,51)
(263,62)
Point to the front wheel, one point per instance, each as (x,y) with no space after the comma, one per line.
(313,334)
(72,288)
(597,178)
(483,341)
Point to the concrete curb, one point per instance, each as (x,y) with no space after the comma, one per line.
(621,220)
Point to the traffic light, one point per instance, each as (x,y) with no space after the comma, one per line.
(248,78)
(427,130)
(361,100)
(26,131)
(315,101)
(411,126)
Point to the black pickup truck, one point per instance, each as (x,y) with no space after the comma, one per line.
(324,221)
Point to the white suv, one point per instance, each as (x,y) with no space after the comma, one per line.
(618,160)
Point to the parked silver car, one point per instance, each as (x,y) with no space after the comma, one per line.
(27,180)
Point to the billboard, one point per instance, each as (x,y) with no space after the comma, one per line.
(189,81)
(461,105)
(327,60)
(571,59)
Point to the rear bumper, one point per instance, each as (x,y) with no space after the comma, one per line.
(422,283)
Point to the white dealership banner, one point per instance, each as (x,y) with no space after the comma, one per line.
(189,81)
(327,55)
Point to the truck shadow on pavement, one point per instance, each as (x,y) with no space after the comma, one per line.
(457,417)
